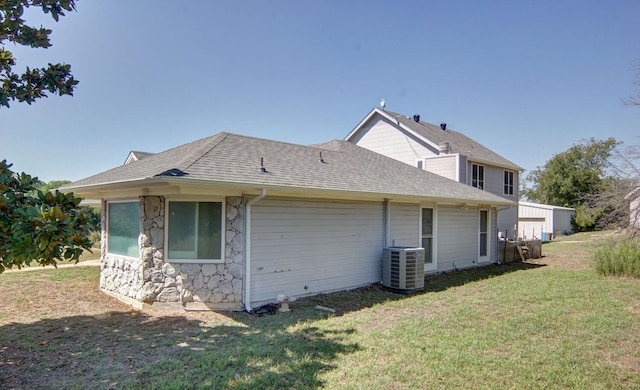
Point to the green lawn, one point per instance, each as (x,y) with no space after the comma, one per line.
(519,326)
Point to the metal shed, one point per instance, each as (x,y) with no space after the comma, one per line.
(543,221)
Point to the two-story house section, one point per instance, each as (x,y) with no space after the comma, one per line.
(440,150)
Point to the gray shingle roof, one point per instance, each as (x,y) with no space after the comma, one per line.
(459,142)
(231,158)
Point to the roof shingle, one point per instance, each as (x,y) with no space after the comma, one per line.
(334,166)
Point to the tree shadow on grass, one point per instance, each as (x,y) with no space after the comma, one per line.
(138,350)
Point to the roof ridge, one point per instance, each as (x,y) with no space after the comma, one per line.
(209,144)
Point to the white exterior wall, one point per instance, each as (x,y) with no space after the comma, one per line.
(306,247)
(507,221)
(562,221)
(444,165)
(533,220)
(458,237)
(494,183)
(382,137)
(404,226)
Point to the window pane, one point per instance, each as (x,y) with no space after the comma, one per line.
(209,231)
(182,230)
(427,221)
(483,221)
(483,244)
(484,228)
(124,228)
(195,230)
(427,244)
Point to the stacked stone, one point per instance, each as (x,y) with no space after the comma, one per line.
(151,279)
(219,283)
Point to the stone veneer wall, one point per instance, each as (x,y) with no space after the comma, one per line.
(151,280)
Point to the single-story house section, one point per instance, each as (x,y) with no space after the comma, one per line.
(231,222)
(543,222)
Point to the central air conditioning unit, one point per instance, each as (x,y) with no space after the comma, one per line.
(403,269)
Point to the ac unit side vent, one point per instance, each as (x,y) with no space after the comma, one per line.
(403,269)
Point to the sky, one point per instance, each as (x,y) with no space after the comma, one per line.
(527,79)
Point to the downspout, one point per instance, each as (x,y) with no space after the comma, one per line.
(247,249)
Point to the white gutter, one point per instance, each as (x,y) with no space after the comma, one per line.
(247,249)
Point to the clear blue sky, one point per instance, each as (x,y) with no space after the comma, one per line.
(527,79)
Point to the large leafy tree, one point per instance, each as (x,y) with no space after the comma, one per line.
(35,224)
(37,82)
(573,178)
(45,227)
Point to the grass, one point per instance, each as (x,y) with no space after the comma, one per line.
(549,324)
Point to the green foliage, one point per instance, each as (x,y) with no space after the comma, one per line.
(572,178)
(52,185)
(38,226)
(619,257)
(34,83)
(585,218)
(93,218)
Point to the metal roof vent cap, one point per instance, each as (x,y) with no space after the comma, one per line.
(443,126)
(416,118)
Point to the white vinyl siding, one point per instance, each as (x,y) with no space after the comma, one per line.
(404,225)
(457,238)
(306,247)
(382,137)
(458,235)
(446,166)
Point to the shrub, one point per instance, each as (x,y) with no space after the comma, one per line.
(618,257)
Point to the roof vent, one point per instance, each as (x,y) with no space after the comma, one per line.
(416,118)
(443,126)
(262,168)
(322,159)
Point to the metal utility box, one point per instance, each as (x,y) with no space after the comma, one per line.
(403,269)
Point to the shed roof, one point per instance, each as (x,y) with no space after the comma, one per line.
(544,206)
(335,166)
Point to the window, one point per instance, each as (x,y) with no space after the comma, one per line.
(195,231)
(419,163)
(484,236)
(123,228)
(427,238)
(508,182)
(477,176)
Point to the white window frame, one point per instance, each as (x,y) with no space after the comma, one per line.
(479,181)
(434,236)
(222,231)
(107,215)
(508,184)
